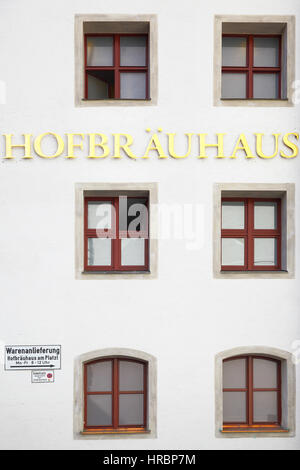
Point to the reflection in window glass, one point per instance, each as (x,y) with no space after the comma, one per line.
(234,85)
(234,51)
(99,251)
(234,407)
(233,215)
(133,85)
(233,251)
(99,51)
(265,215)
(265,252)
(133,51)
(265,85)
(266,52)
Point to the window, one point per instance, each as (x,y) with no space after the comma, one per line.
(254,231)
(251,392)
(116,234)
(116,231)
(115,394)
(116,66)
(251,66)
(115,60)
(251,234)
(255,392)
(254,60)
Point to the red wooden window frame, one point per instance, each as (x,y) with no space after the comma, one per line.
(250,69)
(115,393)
(116,68)
(116,236)
(249,390)
(249,233)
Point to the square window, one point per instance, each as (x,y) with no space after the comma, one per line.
(254,60)
(115,60)
(251,67)
(113,234)
(108,244)
(256,244)
(116,67)
(254,230)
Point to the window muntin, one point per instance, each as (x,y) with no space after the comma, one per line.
(251,66)
(251,234)
(116,66)
(116,234)
(115,391)
(251,392)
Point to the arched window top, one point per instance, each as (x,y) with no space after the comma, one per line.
(264,371)
(270,352)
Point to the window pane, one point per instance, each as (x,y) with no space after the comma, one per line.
(265,252)
(234,85)
(265,407)
(99,215)
(132,252)
(264,373)
(266,52)
(100,51)
(133,214)
(234,373)
(234,52)
(131,376)
(265,215)
(233,252)
(265,85)
(133,85)
(99,411)
(234,407)
(99,251)
(131,409)
(100,84)
(233,215)
(97,88)
(99,376)
(133,50)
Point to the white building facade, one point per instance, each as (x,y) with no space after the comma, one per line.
(149,203)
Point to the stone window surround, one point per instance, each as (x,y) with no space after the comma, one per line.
(285,191)
(116,21)
(288,390)
(78,411)
(258,21)
(96,189)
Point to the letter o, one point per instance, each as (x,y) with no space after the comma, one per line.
(59,141)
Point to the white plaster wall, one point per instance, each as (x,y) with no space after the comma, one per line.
(188,316)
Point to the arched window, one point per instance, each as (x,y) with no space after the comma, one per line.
(251,392)
(115,394)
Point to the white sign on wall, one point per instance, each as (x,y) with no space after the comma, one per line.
(42,376)
(19,357)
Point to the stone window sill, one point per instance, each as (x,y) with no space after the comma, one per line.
(253,102)
(264,429)
(117,431)
(254,271)
(116,272)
